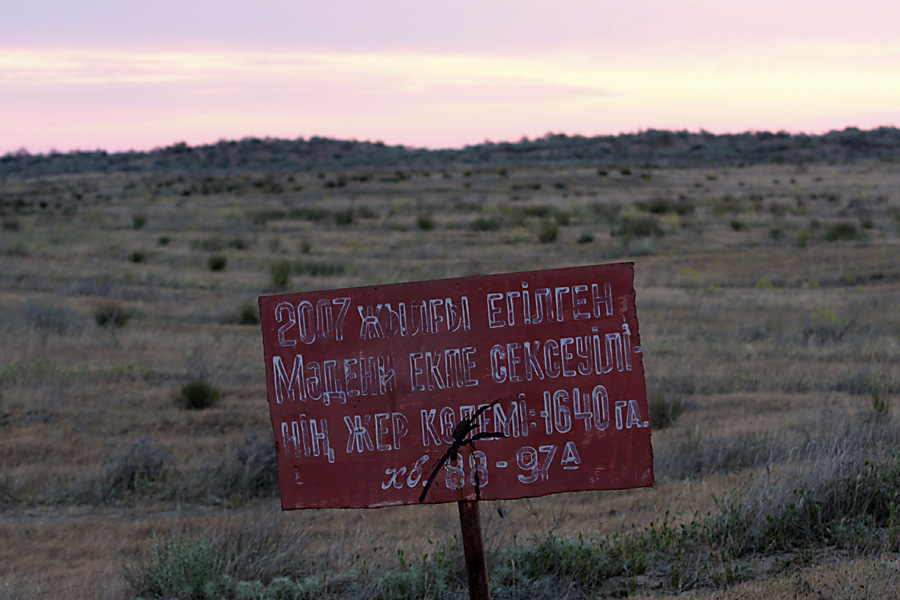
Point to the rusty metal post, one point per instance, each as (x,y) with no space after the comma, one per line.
(473,546)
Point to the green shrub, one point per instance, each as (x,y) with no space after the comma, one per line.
(163,240)
(548,231)
(639,226)
(180,567)
(315,269)
(643,246)
(310,214)
(111,314)
(661,206)
(211,244)
(7,487)
(198,394)
(137,256)
(842,231)
(281,273)
(11,225)
(238,244)
(262,217)
(250,559)
(487,224)
(249,590)
(586,238)
(138,221)
(282,588)
(249,314)
(426,222)
(344,217)
(803,237)
(664,410)
(365,212)
(540,210)
(217,262)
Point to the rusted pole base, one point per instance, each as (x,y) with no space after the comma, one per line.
(473,546)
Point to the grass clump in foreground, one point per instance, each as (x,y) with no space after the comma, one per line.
(252,559)
(842,494)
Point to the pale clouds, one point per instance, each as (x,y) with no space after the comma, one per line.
(118,76)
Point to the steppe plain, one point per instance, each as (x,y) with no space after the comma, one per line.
(768,303)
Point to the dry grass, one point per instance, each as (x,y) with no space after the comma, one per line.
(758,311)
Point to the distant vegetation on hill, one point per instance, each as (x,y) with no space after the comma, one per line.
(647,148)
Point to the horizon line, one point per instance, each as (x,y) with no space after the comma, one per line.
(23,151)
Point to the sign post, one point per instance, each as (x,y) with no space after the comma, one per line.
(457,390)
(473,548)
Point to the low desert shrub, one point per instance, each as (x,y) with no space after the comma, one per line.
(317,269)
(548,231)
(250,559)
(344,217)
(639,226)
(487,224)
(309,214)
(198,394)
(12,225)
(138,221)
(137,472)
(426,222)
(111,314)
(262,217)
(842,231)
(179,566)
(664,409)
(238,243)
(661,206)
(247,470)
(248,314)
(280,271)
(212,243)
(217,262)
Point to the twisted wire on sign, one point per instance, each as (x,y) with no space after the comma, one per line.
(460,439)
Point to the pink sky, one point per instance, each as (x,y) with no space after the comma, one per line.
(117,75)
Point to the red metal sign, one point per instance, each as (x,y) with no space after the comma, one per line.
(494,387)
